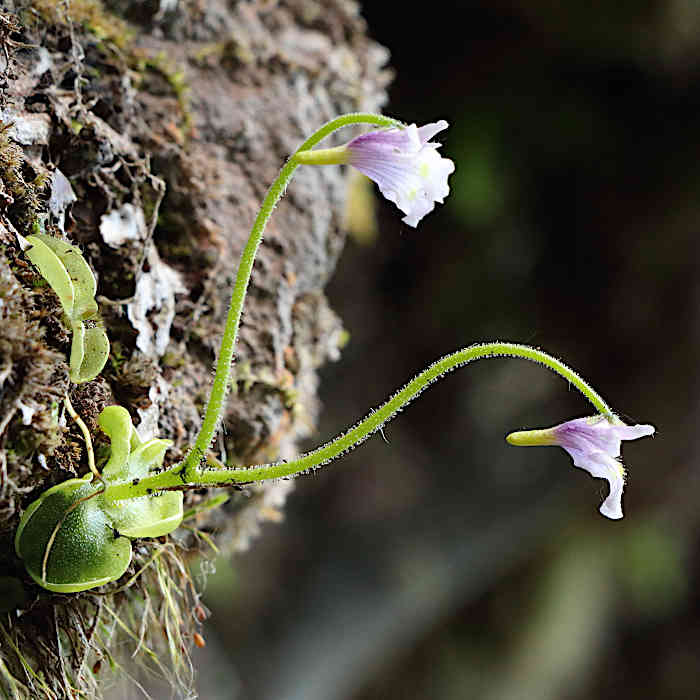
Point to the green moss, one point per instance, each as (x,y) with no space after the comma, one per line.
(30,378)
(176,80)
(117,357)
(173,360)
(234,50)
(90,14)
(244,378)
(24,200)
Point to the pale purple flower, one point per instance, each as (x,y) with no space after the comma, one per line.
(404,163)
(594,445)
(406,166)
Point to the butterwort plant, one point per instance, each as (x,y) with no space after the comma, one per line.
(76,535)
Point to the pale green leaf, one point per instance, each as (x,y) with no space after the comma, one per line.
(80,274)
(115,421)
(96,350)
(53,271)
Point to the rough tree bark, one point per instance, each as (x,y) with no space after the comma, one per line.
(147,132)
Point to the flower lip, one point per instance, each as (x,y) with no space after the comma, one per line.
(405,165)
(598,433)
(594,445)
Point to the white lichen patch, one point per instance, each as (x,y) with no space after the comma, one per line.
(44,62)
(153,309)
(62,196)
(27,129)
(123,225)
(166,7)
(158,395)
(27,412)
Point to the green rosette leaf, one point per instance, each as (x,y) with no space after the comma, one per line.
(67,539)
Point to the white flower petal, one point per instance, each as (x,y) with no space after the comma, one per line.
(426,132)
(406,166)
(634,432)
(611,507)
(603,466)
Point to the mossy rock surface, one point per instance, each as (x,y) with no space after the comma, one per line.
(121,125)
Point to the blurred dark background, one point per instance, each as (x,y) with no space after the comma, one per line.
(447,564)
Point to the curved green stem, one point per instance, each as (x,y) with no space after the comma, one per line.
(175,478)
(214,408)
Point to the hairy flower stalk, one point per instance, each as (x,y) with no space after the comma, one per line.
(172,479)
(215,405)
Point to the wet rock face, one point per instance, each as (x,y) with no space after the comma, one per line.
(147,133)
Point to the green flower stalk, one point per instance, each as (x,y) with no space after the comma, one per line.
(374,421)
(213,412)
